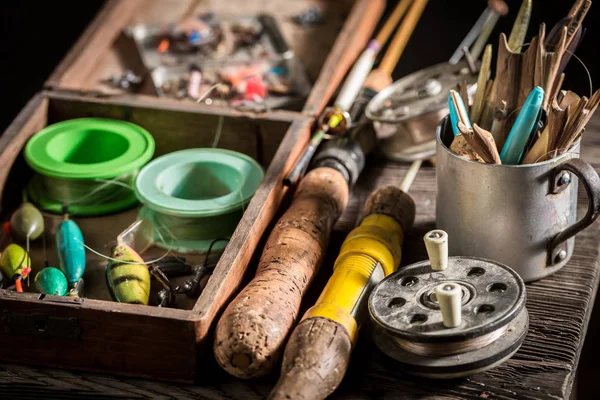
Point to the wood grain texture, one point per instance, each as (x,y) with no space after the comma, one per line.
(93,45)
(256,134)
(559,306)
(506,89)
(31,119)
(315,365)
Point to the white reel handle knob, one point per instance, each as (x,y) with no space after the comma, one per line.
(449,296)
(436,242)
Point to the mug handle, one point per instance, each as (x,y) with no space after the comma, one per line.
(588,176)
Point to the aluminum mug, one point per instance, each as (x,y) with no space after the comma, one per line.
(523,216)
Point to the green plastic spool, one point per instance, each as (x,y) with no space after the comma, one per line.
(197,195)
(86,149)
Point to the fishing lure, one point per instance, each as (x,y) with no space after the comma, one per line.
(70,250)
(128,279)
(76,289)
(27,222)
(51,281)
(15,264)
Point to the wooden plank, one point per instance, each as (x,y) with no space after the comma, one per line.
(30,120)
(99,336)
(196,125)
(168,104)
(348,46)
(93,44)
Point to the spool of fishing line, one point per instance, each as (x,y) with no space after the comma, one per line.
(193,196)
(87,164)
(410,326)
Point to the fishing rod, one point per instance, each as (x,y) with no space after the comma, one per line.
(252,331)
(322,343)
(337,119)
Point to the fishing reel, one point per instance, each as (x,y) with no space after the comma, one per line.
(406,113)
(449,317)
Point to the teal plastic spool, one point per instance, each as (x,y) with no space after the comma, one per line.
(79,151)
(197,195)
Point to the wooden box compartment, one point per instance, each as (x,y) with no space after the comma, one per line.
(94,333)
(326,51)
(164,343)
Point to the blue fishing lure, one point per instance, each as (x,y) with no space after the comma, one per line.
(70,250)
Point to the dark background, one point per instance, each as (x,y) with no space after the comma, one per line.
(35,36)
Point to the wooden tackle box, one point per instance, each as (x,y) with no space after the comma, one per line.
(165,343)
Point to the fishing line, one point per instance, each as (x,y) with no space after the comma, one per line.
(218,132)
(69,192)
(550,153)
(122,261)
(177,228)
(586,70)
(450,348)
(208,91)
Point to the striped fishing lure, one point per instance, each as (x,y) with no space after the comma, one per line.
(128,279)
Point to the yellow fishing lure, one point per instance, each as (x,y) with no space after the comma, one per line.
(128,279)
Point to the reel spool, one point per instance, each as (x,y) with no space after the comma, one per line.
(74,159)
(406,113)
(194,196)
(483,328)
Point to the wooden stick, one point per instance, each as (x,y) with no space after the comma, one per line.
(461,148)
(569,101)
(579,10)
(539,149)
(552,64)
(487,114)
(505,92)
(389,26)
(540,59)
(484,73)
(410,176)
(528,67)
(189,12)
(556,90)
(482,143)
(404,33)
(543,148)
(576,6)
(380,78)
(579,124)
(462,89)
(519,30)
(461,114)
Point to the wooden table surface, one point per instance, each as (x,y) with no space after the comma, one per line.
(559,307)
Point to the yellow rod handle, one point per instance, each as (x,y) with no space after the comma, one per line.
(375,243)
